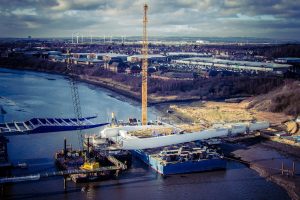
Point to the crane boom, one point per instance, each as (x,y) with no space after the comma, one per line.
(145,67)
(75,96)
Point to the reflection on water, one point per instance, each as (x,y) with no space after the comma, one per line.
(28,94)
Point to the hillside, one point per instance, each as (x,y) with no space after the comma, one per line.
(285,99)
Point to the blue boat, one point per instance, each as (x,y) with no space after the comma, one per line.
(46,125)
(183,163)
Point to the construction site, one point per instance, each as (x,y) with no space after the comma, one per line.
(188,139)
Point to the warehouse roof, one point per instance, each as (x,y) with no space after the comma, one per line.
(149,56)
(288,60)
(240,63)
(187,53)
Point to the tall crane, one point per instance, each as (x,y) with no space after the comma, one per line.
(75,95)
(145,67)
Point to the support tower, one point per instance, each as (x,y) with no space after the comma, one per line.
(145,67)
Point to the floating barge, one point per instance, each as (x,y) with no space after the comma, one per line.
(90,161)
(102,147)
(4,164)
(180,159)
(170,150)
(46,125)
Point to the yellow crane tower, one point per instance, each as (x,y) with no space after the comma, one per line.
(145,67)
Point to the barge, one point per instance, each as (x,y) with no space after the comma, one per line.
(170,150)
(4,163)
(97,165)
(181,159)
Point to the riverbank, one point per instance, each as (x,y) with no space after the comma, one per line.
(117,87)
(267,161)
(126,91)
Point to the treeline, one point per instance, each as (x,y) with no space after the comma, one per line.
(214,87)
(289,50)
(31,63)
(211,88)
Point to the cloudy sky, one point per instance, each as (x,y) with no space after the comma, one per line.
(202,18)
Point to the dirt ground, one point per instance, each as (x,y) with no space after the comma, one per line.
(211,112)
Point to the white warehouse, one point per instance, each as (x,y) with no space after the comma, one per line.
(234,65)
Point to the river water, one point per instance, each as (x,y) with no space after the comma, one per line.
(26,94)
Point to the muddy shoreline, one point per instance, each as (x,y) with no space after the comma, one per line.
(266,159)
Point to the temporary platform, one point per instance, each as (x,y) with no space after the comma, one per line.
(45,125)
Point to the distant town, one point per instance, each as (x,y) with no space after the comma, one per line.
(167,59)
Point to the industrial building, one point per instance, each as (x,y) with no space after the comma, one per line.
(97,58)
(114,56)
(133,69)
(230,65)
(86,61)
(81,55)
(118,67)
(152,58)
(295,62)
(51,55)
(180,55)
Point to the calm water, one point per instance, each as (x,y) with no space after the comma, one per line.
(26,94)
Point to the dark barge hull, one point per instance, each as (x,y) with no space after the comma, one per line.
(180,167)
(85,178)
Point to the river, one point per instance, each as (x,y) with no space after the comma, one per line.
(27,94)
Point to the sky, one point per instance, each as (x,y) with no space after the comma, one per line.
(278,19)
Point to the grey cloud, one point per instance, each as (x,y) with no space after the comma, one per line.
(21,4)
(185,17)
